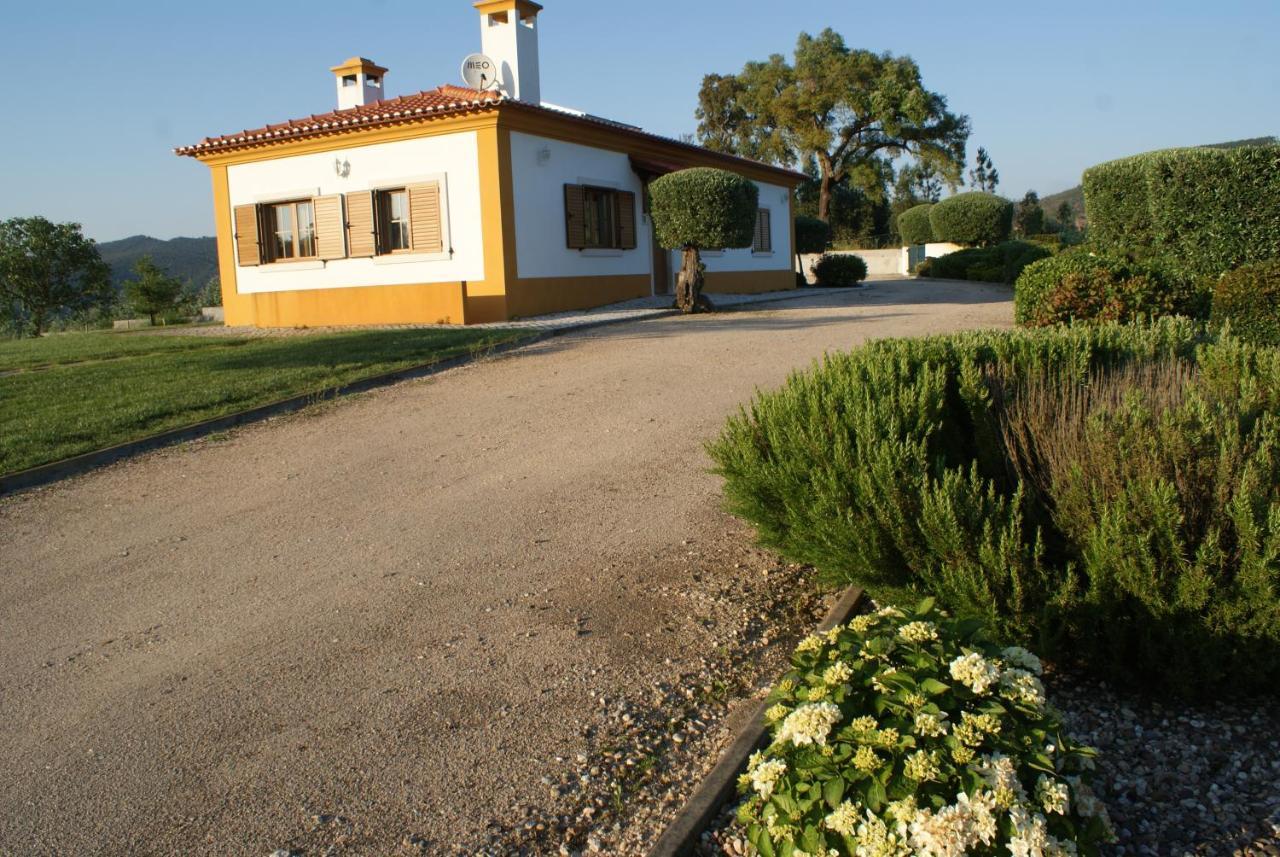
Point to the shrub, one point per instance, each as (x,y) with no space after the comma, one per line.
(1248,299)
(925,267)
(1078,285)
(704,208)
(1000,264)
(1152,561)
(914,225)
(840,269)
(972,218)
(812,235)
(917,730)
(1197,212)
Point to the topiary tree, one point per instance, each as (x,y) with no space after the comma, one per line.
(914,225)
(812,236)
(697,209)
(973,218)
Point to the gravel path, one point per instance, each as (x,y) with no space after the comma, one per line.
(378,626)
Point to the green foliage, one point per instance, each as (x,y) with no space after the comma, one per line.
(853,111)
(1133,525)
(883,723)
(211,294)
(1196,212)
(1029,219)
(192,260)
(1248,299)
(984,176)
(914,225)
(49,270)
(812,235)
(972,218)
(704,208)
(999,264)
(1079,285)
(840,269)
(153,292)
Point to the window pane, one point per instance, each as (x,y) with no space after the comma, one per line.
(283,216)
(398,220)
(306,230)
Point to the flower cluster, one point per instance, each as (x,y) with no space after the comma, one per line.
(901,734)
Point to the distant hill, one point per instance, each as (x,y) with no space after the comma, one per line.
(1075,195)
(193,260)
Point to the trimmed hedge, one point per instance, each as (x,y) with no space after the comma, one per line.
(704,208)
(840,269)
(1248,299)
(972,218)
(999,264)
(914,225)
(1078,285)
(1149,557)
(812,235)
(1198,212)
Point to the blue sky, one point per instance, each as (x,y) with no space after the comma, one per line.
(100,93)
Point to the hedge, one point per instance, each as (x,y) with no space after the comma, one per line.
(914,225)
(840,269)
(1199,212)
(999,264)
(1248,299)
(812,235)
(1149,557)
(972,218)
(704,208)
(1081,285)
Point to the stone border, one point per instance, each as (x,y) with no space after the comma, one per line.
(717,788)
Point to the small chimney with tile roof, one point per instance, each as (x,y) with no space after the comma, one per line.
(509,37)
(360,82)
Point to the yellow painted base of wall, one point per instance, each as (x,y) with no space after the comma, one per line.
(748,282)
(431,303)
(530,297)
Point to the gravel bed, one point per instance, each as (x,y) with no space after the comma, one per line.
(651,746)
(1177,779)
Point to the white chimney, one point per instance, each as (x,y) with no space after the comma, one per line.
(360,82)
(509,37)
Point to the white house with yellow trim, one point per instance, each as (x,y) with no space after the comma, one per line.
(459,205)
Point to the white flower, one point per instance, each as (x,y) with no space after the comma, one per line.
(862,624)
(953,830)
(811,643)
(809,724)
(877,681)
(837,673)
(1002,778)
(765,775)
(889,612)
(975,672)
(1030,834)
(843,820)
(1021,686)
(1053,795)
(932,725)
(1016,656)
(776,713)
(875,839)
(918,632)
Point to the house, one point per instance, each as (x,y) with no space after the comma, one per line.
(460,205)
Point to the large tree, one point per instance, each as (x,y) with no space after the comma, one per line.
(1029,219)
(154,291)
(49,269)
(984,174)
(853,111)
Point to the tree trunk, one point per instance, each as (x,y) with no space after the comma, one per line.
(689,297)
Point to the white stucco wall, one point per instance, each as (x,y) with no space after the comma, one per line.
(775,198)
(452,157)
(540,168)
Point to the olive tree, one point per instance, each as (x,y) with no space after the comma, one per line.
(49,269)
(702,209)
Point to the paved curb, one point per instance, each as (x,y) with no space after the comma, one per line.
(55,471)
(718,787)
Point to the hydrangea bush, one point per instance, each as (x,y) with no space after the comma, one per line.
(900,735)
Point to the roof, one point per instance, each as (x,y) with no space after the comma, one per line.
(438,103)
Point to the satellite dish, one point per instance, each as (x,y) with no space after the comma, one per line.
(479,72)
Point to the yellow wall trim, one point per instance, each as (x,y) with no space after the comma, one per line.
(748,282)
(542,295)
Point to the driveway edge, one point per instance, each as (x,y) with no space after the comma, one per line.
(717,787)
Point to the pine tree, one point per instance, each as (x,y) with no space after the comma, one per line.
(984,175)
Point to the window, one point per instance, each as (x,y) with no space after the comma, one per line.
(394,235)
(598,217)
(763,241)
(291,231)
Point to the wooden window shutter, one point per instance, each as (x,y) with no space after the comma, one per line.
(426,229)
(361,240)
(248,242)
(575,220)
(331,237)
(764,232)
(626,220)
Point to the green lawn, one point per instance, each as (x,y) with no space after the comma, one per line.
(72,393)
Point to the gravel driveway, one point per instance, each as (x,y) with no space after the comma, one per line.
(372,628)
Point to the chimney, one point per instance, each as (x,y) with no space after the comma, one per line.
(359,82)
(509,37)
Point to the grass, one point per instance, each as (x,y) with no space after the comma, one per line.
(73,393)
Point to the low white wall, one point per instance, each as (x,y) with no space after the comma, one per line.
(888,262)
